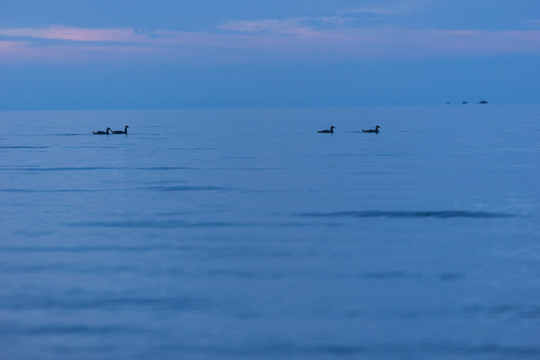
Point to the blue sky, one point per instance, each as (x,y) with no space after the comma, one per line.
(65,54)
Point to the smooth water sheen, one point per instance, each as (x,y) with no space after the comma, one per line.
(245,234)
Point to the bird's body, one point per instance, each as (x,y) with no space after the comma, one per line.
(102,132)
(120,131)
(376,130)
(331,131)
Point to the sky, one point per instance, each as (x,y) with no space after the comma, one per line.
(127,54)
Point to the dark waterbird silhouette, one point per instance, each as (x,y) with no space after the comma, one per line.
(102,132)
(331,131)
(376,130)
(120,131)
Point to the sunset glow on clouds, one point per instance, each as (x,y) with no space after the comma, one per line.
(350,31)
(71,34)
(247,40)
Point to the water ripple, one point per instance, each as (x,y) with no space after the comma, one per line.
(93,248)
(68,268)
(157,224)
(348,350)
(183,188)
(163,168)
(23,147)
(85,301)
(514,310)
(31,191)
(388,275)
(92,168)
(55,329)
(414,214)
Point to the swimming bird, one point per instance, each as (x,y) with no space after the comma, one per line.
(376,130)
(331,131)
(120,131)
(102,132)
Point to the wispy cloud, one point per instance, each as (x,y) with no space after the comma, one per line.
(287,26)
(385,40)
(391,7)
(299,39)
(9,45)
(253,26)
(535,22)
(75,34)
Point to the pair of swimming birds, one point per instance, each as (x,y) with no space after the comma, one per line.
(111,131)
(331,131)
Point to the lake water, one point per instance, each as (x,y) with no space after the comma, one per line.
(245,234)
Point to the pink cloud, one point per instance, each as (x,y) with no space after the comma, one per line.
(254,26)
(288,26)
(357,43)
(75,34)
(392,7)
(12,45)
(261,41)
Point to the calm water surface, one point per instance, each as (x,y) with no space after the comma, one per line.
(232,234)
